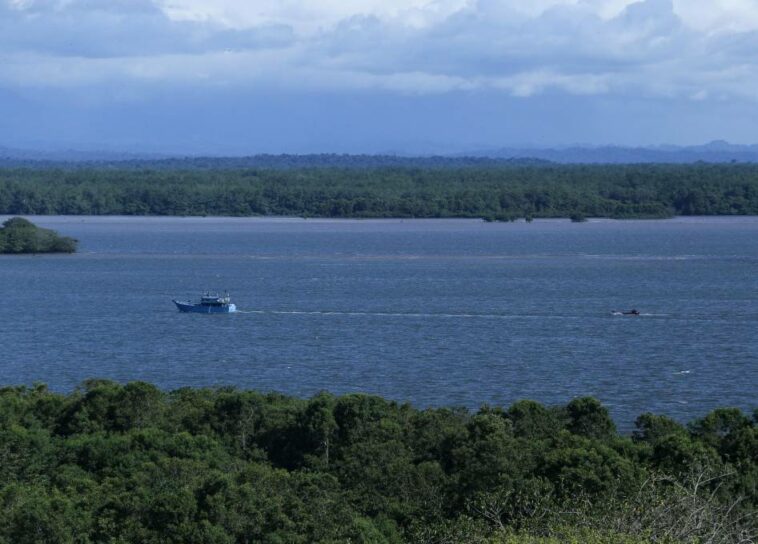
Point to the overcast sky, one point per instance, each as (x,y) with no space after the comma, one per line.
(234,76)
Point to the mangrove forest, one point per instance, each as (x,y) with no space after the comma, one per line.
(479,190)
(131,463)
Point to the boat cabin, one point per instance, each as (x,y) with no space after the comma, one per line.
(214,299)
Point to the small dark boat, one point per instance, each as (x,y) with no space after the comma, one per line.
(210,303)
(626,312)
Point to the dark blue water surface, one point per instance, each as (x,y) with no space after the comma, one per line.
(436,312)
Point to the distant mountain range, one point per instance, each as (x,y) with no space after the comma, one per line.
(8,154)
(717,151)
(713,152)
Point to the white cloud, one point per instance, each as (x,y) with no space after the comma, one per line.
(708,15)
(307,15)
(715,16)
(113,28)
(687,48)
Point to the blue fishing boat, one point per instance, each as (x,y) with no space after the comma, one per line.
(210,303)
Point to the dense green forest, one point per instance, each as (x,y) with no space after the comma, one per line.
(18,235)
(495,192)
(130,463)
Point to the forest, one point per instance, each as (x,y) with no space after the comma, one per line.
(122,463)
(496,191)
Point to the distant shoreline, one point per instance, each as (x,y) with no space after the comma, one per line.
(65,218)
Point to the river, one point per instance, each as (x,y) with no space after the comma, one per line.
(434,312)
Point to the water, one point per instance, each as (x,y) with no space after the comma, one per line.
(435,312)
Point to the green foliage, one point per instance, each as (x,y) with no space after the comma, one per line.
(719,424)
(587,417)
(493,191)
(652,428)
(574,535)
(19,235)
(532,420)
(131,463)
(577,217)
(18,223)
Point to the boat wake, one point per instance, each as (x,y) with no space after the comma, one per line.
(404,314)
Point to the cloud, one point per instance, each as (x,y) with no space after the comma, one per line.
(120,28)
(645,47)
(667,48)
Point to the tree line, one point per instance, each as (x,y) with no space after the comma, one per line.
(496,192)
(265,161)
(131,463)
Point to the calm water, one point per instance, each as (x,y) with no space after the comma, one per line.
(436,312)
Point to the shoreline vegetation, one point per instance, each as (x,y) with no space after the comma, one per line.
(19,235)
(493,192)
(131,463)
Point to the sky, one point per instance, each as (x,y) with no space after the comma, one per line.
(374,76)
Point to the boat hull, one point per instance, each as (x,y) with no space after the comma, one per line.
(190,307)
